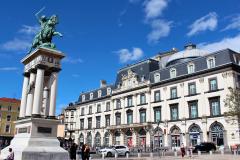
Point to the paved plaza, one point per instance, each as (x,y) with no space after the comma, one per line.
(195,157)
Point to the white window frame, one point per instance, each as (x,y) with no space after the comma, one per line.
(99,93)
(157,77)
(173,73)
(109,90)
(189,68)
(91,96)
(83,98)
(209,64)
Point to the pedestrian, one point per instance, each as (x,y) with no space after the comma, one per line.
(183,150)
(73,150)
(87,152)
(11,154)
(82,153)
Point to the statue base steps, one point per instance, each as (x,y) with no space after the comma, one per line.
(36,139)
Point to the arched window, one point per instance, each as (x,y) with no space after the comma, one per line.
(157,77)
(191,68)
(217,133)
(173,73)
(81,139)
(89,139)
(106,139)
(98,139)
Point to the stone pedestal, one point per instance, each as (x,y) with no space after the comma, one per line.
(35,139)
(36,131)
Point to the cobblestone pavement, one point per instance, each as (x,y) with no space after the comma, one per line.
(195,157)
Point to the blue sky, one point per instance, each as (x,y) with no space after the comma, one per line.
(101,36)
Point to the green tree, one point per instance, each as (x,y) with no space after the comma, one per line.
(232,102)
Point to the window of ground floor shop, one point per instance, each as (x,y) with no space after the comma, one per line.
(194,135)
(106,139)
(216,133)
(158,138)
(129,138)
(81,139)
(97,139)
(117,138)
(142,138)
(89,139)
(175,137)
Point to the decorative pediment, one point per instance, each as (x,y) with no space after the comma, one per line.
(130,74)
(129,80)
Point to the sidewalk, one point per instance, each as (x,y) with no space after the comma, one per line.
(195,157)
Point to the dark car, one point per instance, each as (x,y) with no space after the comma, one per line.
(205,147)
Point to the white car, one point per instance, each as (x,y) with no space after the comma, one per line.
(110,151)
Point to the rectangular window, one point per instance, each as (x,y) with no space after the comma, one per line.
(142,98)
(82,124)
(174,111)
(215,106)
(90,110)
(108,106)
(157,96)
(129,101)
(129,117)
(82,111)
(157,114)
(118,104)
(173,92)
(213,84)
(193,109)
(89,123)
(118,119)
(143,116)
(8,118)
(98,121)
(72,113)
(7,128)
(107,120)
(9,108)
(192,88)
(98,108)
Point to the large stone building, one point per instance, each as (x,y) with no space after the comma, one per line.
(9,111)
(175,97)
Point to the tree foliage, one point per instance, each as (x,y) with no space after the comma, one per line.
(232,102)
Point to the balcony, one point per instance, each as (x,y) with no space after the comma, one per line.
(133,125)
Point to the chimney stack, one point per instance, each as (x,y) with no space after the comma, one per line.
(103,83)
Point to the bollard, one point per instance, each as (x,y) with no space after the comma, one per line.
(103,156)
(139,155)
(210,152)
(199,153)
(116,155)
(151,154)
(235,152)
(175,153)
(222,152)
(127,155)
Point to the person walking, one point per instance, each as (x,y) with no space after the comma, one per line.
(82,153)
(73,151)
(87,152)
(183,150)
(11,154)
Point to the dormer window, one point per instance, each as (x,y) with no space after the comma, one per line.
(83,98)
(91,96)
(99,93)
(157,77)
(211,62)
(173,73)
(142,78)
(109,91)
(191,68)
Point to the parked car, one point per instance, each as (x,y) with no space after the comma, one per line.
(110,151)
(205,147)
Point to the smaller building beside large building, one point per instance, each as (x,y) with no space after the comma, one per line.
(9,112)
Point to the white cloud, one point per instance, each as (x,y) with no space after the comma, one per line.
(16,45)
(154,8)
(29,30)
(72,60)
(160,28)
(125,55)
(207,22)
(134,1)
(235,23)
(8,69)
(229,42)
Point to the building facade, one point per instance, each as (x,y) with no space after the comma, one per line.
(170,99)
(9,112)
